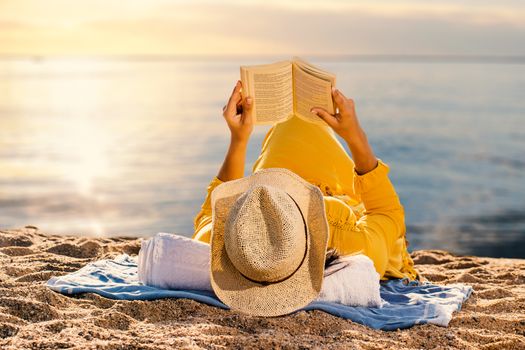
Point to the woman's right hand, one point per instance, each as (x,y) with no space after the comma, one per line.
(344,123)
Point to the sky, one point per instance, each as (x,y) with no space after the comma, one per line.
(259,27)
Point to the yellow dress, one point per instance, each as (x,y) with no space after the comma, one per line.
(363,211)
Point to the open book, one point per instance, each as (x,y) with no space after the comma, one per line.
(285,88)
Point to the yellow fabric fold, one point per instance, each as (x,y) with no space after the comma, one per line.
(202,221)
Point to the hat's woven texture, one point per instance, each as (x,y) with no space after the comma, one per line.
(265,234)
(259,235)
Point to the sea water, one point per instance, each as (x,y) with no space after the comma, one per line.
(128,146)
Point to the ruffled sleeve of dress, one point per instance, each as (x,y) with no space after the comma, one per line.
(385,216)
(379,232)
(202,221)
(341,221)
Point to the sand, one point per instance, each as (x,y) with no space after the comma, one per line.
(32,316)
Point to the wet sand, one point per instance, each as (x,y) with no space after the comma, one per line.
(32,316)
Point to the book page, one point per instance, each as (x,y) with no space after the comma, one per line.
(310,90)
(271,88)
(313,70)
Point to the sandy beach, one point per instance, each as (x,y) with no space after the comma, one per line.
(34,317)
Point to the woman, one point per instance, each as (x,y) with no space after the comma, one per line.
(363,210)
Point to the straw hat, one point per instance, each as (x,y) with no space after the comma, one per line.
(268,244)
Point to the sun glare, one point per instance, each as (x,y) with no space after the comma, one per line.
(85,145)
(81,139)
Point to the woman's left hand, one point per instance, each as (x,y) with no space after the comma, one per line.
(238,115)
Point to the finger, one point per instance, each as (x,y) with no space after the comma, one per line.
(247,109)
(239,107)
(339,99)
(348,103)
(340,93)
(234,99)
(323,114)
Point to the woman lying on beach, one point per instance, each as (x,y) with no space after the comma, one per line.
(361,208)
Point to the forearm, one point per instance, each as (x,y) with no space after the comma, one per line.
(233,165)
(372,183)
(362,153)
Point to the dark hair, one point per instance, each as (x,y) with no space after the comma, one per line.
(331,255)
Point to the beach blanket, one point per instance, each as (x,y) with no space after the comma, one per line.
(405,303)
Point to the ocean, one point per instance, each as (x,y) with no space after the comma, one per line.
(113,147)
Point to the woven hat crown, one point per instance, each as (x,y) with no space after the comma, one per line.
(265,234)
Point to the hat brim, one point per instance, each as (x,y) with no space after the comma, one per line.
(304,285)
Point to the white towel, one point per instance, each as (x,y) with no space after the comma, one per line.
(351,280)
(170,261)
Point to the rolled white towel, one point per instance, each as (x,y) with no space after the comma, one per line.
(353,281)
(171,261)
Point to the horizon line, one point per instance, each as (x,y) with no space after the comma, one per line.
(423,58)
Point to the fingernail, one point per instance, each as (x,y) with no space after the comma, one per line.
(334,89)
(248,100)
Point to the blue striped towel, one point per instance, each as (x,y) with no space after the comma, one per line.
(405,303)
